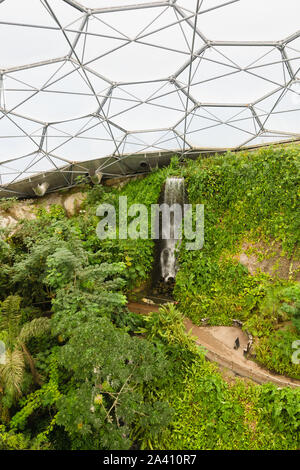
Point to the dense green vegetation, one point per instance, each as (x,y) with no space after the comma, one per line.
(249,197)
(82,372)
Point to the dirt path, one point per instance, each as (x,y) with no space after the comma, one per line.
(219,342)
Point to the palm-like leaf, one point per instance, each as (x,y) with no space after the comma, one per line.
(12,372)
(36,327)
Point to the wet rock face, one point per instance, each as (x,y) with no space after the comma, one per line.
(122,180)
(168,264)
(164,288)
(72,203)
(18,210)
(7,221)
(15,211)
(272,262)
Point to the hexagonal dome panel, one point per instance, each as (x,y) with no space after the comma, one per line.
(117,87)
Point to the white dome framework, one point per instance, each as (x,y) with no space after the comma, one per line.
(115,88)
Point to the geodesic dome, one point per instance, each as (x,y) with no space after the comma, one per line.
(116,86)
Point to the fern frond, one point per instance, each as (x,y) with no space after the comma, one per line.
(36,327)
(12,372)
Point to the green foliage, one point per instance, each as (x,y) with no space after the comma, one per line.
(244,195)
(10,440)
(167,326)
(46,396)
(8,203)
(59,265)
(274,340)
(96,295)
(291,305)
(109,379)
(247,197)
(275,351)
(136,254)
(207,416)
(16,335)
(110,368)
(10,317)
(212,414)
(282,409)
(270,313)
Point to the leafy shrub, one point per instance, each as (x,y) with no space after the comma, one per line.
(114,380)
(275,352)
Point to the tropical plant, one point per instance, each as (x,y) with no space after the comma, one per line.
(113,379)
(17,354)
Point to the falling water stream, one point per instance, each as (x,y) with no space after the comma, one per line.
(174,197)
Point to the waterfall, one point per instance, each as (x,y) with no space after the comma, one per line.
(174,198)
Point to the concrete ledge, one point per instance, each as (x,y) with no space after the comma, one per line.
(259,376)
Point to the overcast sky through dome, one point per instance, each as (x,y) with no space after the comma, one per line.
(85,79)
